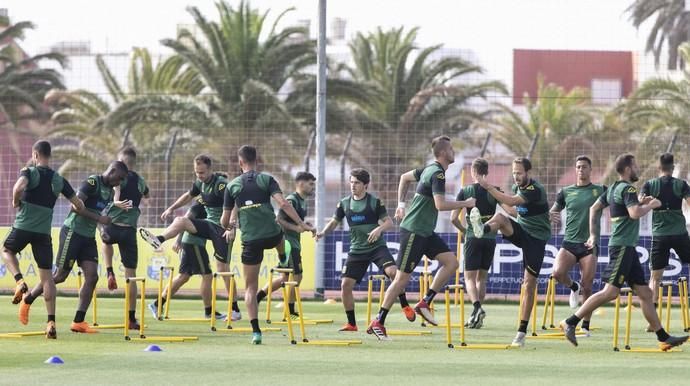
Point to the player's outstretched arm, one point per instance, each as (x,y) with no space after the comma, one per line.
(286,207)
(327,229)
(181,201)
(456,220)
(405,180)
(594,222)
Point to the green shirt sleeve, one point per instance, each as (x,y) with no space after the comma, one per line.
(560,200)
(630,196)
(381,209)
(438,183)
(339,214)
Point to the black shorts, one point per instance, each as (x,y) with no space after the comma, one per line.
(478,253)
(579,250)
(624,265)
(295,261)
(194,260)
(414,246)
(357,264)
(41,245)
(532,248)
(253,251)
(126,239)
(75,247)
(214,232)
(661,250)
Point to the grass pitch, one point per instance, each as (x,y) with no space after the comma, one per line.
(105,358)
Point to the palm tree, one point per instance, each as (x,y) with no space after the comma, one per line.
(564,125)
(246,75)
(671,26)
(661,106)
(417,97)
(92,131)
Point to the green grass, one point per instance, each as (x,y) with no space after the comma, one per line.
(106,358)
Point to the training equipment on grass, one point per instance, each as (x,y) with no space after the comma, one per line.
(426,278)
(54,360)
(549,304)
(228,326)
(616,319)
(94,308)
(168,297)
(461,267)
(286,316)
(142,336)
(294,286)
(382,290)
(683,294)
(449,339)
(153,348)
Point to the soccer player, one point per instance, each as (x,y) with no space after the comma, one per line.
(530,233)
(123,229)
(209,189)
(417,236)
(624,264)
(367,219)
(576,200)
(478,252)
(668,222)
(194,260)
(251,193)
(34,195)
(78,241)
(305,183)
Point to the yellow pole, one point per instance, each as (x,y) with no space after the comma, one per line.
(160,293)
(168,295)
(142,310)
(382,291)
(298,300)
(291,333)
(669,288)
(459,246)
(546,302)
(552,302)
(616,318)
(268,296)
(214,284)
(449,339)
(627,320)
(369,300)
(231,299)
(126,324)
(462,316)
(684,300)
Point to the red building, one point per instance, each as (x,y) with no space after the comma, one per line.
(609,75)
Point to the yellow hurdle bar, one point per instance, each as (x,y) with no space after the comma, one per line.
(628,348)
(290,273)
(463,345)
(142,336)
(370,288)
(293,285)
(161,275)
(683,295)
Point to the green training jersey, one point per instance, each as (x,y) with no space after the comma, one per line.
(252,192)
(38,199)
(486,203)
(300,206)
(624,230)
(422,215)
(133,188)
(196,211)
(576,201)
(362,216)
(210,194)
(97,195)
(668,219)
(533,215)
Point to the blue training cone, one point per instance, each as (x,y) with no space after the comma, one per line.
(153,348)
(54,360)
